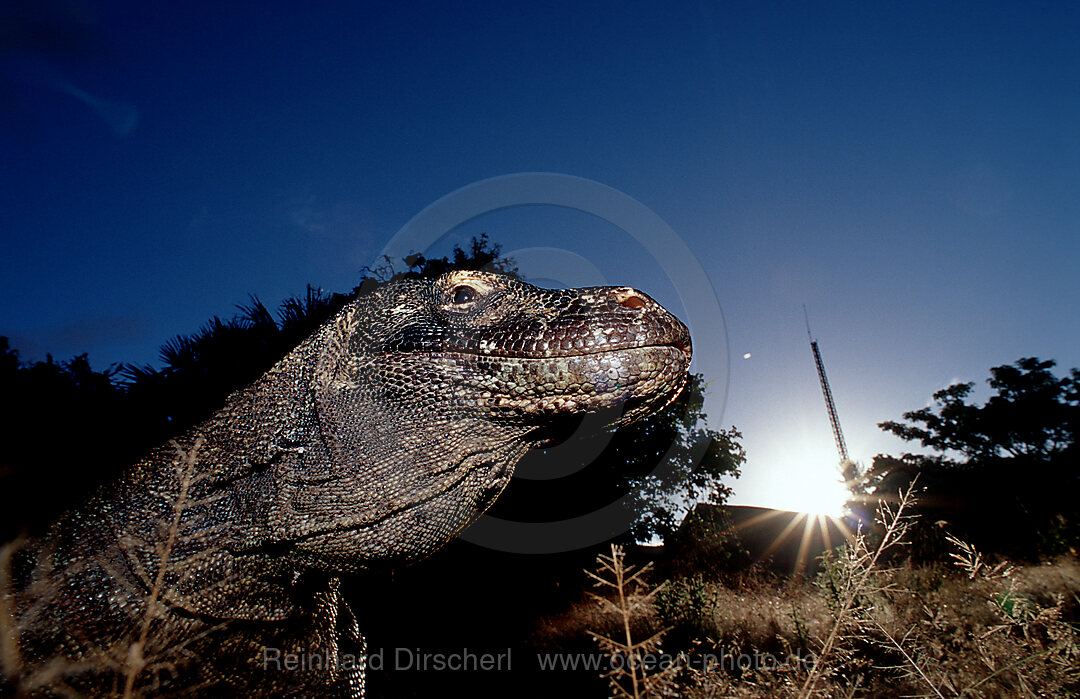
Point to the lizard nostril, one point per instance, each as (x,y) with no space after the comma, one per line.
(629,298)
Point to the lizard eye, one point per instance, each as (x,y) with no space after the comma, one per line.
(463,295)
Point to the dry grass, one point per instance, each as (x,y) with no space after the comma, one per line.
(131,665)
(972,628)
(625,597)
(136,661)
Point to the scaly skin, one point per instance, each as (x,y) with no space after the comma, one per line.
(374,442)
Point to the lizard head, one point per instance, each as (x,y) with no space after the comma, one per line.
(429,391)
(514,353)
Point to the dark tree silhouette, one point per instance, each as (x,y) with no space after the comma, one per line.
(1006,474)
(60,420)
(654,467)
(1033,415)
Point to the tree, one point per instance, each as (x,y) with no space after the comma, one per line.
(1033,415)
(1004,474)
(60,420)
(656,467)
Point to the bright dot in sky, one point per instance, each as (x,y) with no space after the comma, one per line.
(746,356)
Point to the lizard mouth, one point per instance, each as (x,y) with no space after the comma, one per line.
(580,345)
(642,377)
(554,355)
(680,343)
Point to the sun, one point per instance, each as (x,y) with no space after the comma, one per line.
(814,488)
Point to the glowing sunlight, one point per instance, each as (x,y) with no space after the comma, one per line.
(814,488)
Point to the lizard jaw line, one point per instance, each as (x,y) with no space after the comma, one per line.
(684,347)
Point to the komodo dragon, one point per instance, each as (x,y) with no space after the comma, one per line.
(374,442)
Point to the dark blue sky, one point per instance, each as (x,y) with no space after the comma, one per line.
(911,173)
